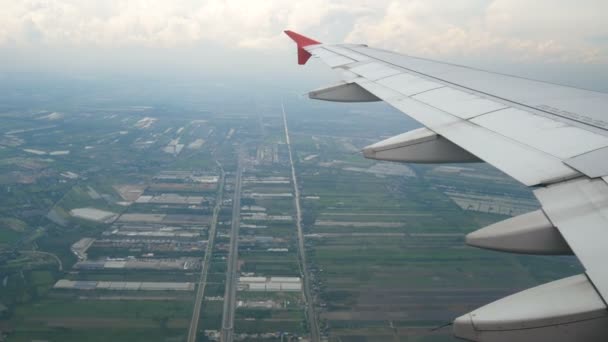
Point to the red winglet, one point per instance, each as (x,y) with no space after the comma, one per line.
(302,42)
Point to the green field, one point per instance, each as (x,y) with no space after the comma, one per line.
(69,319)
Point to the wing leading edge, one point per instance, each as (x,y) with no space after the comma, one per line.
(549,136)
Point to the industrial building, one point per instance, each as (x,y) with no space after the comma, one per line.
(270,284)
(132,263)
(123,285)
(80,247)
(170,199)
(152,245)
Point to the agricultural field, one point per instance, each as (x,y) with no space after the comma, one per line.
(65,319)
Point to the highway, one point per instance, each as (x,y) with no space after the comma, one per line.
(231,272)
(200,293)
(310,310)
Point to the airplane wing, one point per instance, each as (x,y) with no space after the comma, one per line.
(550,137)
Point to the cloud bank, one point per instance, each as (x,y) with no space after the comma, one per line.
(513,30)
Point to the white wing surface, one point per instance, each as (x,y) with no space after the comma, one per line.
(547,136)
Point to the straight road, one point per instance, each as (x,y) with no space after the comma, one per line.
(231,272)
(200,292)
(310,310)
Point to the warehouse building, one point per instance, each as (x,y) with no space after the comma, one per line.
(270,284)
(123,285)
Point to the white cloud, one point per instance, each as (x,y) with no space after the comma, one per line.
(546,30)
(554,30)
(152,23)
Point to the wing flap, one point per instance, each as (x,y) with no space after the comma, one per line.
(556,138)
(457,102)
(409,85)
(374,71)
(332,59)
(349,53)
(593,164)
(579,210)
(521,162)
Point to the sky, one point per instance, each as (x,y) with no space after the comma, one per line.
(558,40)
